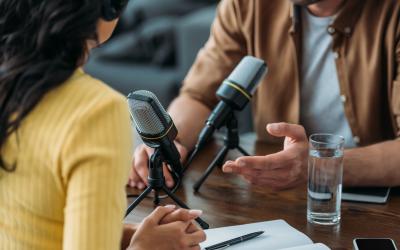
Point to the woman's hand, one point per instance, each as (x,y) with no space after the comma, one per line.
(183,215)
(174,235)
(127,233)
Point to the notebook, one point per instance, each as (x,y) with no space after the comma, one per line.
(278,235)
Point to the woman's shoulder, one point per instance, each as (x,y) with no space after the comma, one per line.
(81,94)
(88,88)
(80,98)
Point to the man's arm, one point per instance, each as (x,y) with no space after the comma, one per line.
(189,116)
(375,165)
(378,164)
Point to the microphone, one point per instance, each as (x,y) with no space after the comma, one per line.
(157,131)
(155,126)
(234,94)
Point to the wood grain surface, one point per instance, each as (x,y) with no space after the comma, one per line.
(228,200)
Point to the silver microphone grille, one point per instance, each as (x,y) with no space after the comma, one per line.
(143,105)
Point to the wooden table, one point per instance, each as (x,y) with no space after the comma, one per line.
(228,200)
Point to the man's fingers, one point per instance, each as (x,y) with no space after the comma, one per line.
(140,162)
(281,174)
(169,181)
(134,178)
(148,150)
(294,131)
(182,151)
(259,163)
(277,178)
(139,173)
(143,174)
(267,162)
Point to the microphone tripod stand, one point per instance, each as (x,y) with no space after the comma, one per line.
(157,183)
(231,142)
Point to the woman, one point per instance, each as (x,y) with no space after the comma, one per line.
(65,138)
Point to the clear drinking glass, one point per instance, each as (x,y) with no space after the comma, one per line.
(325,171)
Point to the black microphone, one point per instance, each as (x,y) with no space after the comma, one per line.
(235,93)
(155,126)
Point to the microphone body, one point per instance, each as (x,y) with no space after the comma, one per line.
(155,126)
(234,94)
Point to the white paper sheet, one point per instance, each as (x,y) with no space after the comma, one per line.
(278,235)
(317,246)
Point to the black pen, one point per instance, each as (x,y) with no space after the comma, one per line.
(234,241)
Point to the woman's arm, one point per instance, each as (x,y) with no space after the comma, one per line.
(95,163)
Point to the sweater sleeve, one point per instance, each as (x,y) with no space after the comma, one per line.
(222,52)
(95,163)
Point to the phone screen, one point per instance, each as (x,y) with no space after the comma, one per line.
(375,244)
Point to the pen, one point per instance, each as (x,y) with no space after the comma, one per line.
(234,241)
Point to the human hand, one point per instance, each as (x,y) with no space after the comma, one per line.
(151,234)
(183,215)
(127,233)
(281,170)
(140,163)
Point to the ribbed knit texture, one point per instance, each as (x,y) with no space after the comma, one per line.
(73,154)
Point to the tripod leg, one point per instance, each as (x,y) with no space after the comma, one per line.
(241,150)
(201,222)
(220,157)
(138,200)
(156,197)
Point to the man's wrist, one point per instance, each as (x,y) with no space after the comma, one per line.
(179,141)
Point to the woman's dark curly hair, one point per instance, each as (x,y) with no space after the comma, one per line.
(42,42)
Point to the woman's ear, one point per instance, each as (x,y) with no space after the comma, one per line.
(105,29)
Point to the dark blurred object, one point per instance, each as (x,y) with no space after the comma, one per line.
(140,11)
(154,46)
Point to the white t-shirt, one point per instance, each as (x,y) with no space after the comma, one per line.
(321,104)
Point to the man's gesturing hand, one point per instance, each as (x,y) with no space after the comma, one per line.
(281,170)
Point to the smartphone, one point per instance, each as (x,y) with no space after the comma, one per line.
(379,195)
(374,244)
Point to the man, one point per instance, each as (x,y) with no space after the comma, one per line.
(333,67)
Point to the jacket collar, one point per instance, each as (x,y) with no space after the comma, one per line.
(344,21)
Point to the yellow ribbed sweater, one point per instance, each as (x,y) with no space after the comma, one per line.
(73,155)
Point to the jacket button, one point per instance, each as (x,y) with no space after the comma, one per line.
(347,30)
(336,55)
(343,98)
(356,139)
(331,30)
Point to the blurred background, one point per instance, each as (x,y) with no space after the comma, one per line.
(154,46)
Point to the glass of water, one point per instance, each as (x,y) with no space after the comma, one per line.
(325,172)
